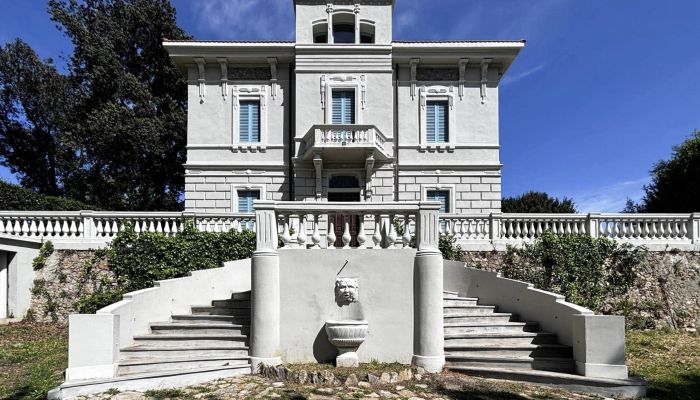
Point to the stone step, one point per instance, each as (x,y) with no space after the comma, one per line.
(494,318)
(500,339)
(207,318)
(211,310)
(143,352)
(485,327)
(468,310)
(174,328)
(231,303)
(127,367)
(191,341)
(241,296)
(448,294)
(618,388)
(459,301)
(143,382)
(565,365)
(533,350)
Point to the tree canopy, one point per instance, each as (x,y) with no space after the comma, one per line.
(110,131)
(675,183)
(537,202)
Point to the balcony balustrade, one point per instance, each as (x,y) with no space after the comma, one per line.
(345,142)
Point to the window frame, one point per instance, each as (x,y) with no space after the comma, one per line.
(243,93)
(450,189)
(347,84)
(437,93)
(354,104)
(246,187)
(433,104)
(240,132)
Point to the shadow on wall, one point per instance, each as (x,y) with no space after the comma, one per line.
(324,351)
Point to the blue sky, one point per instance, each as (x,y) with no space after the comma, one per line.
(602,90)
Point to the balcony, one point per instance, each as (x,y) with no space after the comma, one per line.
(349,142)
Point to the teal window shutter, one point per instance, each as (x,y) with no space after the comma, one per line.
(249,121)
(436,122)
(343,111)
(246,199)
(443,196)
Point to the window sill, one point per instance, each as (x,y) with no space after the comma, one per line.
(439,148)
(249,148)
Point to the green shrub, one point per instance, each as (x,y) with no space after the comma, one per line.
(448,244)
(44,252)
(584,269)
(17,198)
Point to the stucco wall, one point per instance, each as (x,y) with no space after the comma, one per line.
(385,301)
(20,274)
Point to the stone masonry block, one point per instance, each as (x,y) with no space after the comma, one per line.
(490,196)
(426,179)
(384,173)
(490,179)
(260,179)
(496,204)
(190,187)
(471,179)
(407,179)
(215,195)
(412,188)
(223,187)
(481,204)
(236,179)
(449,179)
(383,190)
(215,179)
(463,187)
(481,188)
(194,195)
(407,196)
(206,203)
(206,187)
(194,179)
(224,204)
(495,187)
(470,195)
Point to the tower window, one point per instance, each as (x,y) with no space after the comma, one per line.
(343,33)
(366,33)
(321,33)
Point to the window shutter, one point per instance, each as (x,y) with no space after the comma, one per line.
(443,196)
(249,121)
(436,122)
(246,199)
(343,111)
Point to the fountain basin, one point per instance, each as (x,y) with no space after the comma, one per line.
(347,336)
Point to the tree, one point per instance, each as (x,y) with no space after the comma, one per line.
(116,137)
(537,202)
(675,183)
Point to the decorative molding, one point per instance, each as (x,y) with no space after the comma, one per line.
(369,168)
(223,62)
(462,76)
(363,87)
(484,77)
(436,74)
(273,76)
(440,93)
(323,92)
(202,78)
(414,67)
(346,291)
(318,167)
(356,10)
(249,74)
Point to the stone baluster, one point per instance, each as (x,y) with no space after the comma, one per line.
(316,235)
(361,236)
(377,236)
(406,238)
(346,235)
(331,232)
(286,237)
(301,235)
(391,235)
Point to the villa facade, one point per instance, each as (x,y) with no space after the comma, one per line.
(344,113)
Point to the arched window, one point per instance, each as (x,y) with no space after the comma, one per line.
(320,31)
(343,28)
(366,32)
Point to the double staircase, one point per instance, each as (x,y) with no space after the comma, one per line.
(479,339)
(211,338)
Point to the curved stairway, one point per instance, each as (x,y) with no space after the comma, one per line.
(479,336)
(211,337)
(480,341)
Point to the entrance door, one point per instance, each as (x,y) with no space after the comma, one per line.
(3,284)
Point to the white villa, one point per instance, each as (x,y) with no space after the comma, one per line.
(344,113)
(323,146)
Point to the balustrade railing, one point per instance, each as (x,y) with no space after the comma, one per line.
(96,226)
(363,225)
(345,135)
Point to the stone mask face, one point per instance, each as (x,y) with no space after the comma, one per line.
(346,291)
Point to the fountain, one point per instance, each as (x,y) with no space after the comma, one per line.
(348,334)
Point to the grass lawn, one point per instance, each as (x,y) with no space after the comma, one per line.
(670,361)
(33,357)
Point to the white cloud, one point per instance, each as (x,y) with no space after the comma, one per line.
(610,198)
(244,19)
(509,79)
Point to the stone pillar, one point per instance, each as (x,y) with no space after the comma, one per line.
(428,334)
(599,346)
(265,289)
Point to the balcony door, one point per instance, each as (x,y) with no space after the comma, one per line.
(344,188)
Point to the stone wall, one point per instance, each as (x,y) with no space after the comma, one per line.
(667,295)
(66,276)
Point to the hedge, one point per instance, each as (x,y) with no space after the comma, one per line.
(17,198)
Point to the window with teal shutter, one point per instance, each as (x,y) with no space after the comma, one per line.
(343,107)
(246,199)
(249,121)
(436,122)
(442,196)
